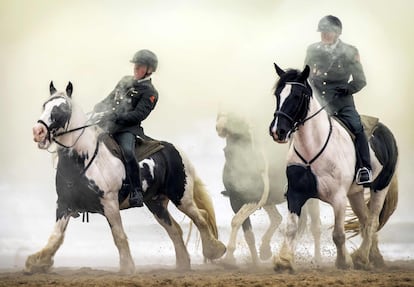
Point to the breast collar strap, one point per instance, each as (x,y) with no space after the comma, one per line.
(308,163)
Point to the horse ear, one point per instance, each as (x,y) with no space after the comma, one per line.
(279,71)
(52,88)
(305,74)
(69,90)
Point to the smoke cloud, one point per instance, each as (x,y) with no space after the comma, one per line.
(213,55)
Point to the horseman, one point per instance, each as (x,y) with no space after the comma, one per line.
(336,74)
(132,100)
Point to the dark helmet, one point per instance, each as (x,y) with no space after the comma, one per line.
(147,58)
(330,23)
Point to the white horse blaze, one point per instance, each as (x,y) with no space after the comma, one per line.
(283,96)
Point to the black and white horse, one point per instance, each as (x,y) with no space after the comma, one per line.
(89,177)
(321,164)
(251,184)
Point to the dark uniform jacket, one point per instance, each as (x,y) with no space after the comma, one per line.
(130,102)
(333,69)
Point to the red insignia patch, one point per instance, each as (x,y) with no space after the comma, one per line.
(152,99)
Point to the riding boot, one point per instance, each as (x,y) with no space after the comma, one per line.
(135,197)
(364,173)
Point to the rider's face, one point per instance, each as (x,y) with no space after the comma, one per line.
(140,71)
(329,38)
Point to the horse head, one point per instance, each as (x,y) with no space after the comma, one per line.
(57,111)
(230,124)
(293,93)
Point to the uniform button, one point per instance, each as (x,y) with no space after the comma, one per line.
(122,97)
(339,66)
(323,92)
(324,83)
(117,102)
(325,74)
(113,109)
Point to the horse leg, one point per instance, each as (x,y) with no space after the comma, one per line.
(361,256)
(275,219)
(343,259)
(285,259)
(315,227)
(42,261)
(212,248)
(113,217)
(242,214)
(250,240)
(164,218)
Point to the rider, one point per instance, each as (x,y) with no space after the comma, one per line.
(132,100)
(332,63)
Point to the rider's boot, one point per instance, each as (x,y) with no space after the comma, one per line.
(136,198)
(364,173)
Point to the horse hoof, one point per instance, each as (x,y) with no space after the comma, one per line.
(35,264)
(283,266)
(215,252)
(360,263)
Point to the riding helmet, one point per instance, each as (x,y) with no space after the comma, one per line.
(330,23)
(146,57)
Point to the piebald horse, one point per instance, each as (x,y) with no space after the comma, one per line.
(251,183)
(321,164)
(89,178)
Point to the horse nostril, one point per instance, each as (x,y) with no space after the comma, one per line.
(281,133)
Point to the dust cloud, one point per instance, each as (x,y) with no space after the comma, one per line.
(214,55)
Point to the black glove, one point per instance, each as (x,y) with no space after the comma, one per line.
(343,90)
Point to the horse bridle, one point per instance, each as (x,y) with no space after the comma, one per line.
(51,135)
(296,124)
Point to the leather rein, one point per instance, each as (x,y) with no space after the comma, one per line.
(297,124)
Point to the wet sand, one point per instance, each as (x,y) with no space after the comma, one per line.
(397,273)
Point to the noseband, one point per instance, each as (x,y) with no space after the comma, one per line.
(51,135)
(295,123)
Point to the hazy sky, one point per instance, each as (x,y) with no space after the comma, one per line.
(213,54)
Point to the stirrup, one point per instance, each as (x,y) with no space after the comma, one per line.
(364,176)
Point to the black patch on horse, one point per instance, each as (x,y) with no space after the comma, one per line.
(76,193)
(385,147)
(301,186)
(175,180)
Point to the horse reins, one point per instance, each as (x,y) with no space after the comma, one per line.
(296,125)
(53,137)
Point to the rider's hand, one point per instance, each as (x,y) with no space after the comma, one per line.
(109,117)
(343,90)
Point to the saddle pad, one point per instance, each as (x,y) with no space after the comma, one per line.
(142,150)
(368,122)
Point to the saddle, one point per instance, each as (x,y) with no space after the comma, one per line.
(368,122)
(142,150)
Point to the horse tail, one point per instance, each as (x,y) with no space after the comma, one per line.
(390,202)
(203,201)
(385,147)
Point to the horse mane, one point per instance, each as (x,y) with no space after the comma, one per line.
(291,75)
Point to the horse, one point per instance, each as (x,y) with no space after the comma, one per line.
(246,176)
(89,177)
(321,163)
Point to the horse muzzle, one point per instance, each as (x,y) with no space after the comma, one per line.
(40,136)
(277,139)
